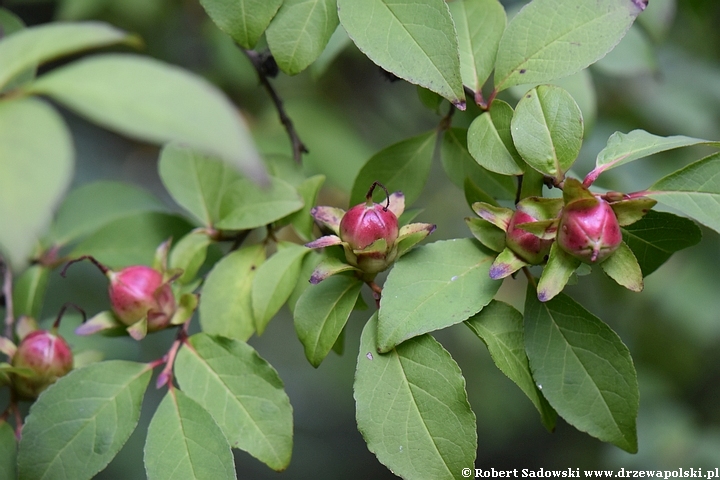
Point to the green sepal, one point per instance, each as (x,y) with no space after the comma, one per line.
(506,264)
(488,234)
(499,216)
(630,211)
(22,371)
(24,326)
(160,261)
(7,347)
(541,208)
(410,235)
(186,307)
(189,254)
(328,218)
(104,322)
(557,272)
(543,229)
(623,267)
(138,330)
(378,246)
(327,267)
(574,190)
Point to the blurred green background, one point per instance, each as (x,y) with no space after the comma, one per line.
(664,78)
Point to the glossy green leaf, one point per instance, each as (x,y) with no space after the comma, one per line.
(583,369)
(480,25)
(37,162)
(189,254)
(432,287)
(8,451)
(154,101)
(35,45)
(226,305)
(184,442)
(274,282)
(693,190)
(29,291)
(549,39)
(412,408)
(547,130)
(413,39)
(655,237)
(500,327)
(299,32)
(244,20)
(242,392)
(490,142)
(321,313)
(132,240)
(92,206)
(80,423)
(404,167)
(624,148)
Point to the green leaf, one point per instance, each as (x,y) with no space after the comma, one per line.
(242,392)
(92,206)
(623,267)
(413,39)
(299,32)
(583,369)
(29,291)
(150,100)
(549,39)
(693,190)
(432,287)
(500,327)
(11,23)
(306,270)
(189,254)
(624,148)
(404,167)
(480,25)
(301,220)
(655,237)
(490,141)
(35,45)
(8,451)
(132,240)
(321,313)
(557,272)
(247,205)
(80,422)
(548,130)
(226,304)
(184,442)
(244,20)
(37,162)
(274,282)
(412,408)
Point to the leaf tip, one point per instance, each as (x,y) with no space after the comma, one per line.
(461,104)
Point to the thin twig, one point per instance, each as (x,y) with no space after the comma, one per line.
(166,375)
(258,61)
(8,294)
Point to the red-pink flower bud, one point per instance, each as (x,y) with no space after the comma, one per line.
(589,230)
(526,245)
(139,291)
(365,223)
(47,356)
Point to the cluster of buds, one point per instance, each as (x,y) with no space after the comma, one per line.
(369,234)
(142,299)
(563,233)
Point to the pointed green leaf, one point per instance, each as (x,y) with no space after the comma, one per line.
(321,313)
(658,235)
(432,287)
(242,392)
(80,422)
(547,129)
(549,39)
(274,282)
(244,20)
(189,254)
(301,220)
(29,291)
(306,270)
(480,25)
(583,369)
(412,408)
(500,327)
(154,101)
(35,45)
(623,267)
(11,23)
(184,442)
(37,161)
(132,240)
(413,39)
(226,304)
(299,32)
(403,167)
(624,148)
(488,234)
(693,190)
(557,272)
(490,141)
(247,205)
(8,451)
(92,206)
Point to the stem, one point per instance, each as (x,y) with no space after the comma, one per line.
(529,276)
(518,194)
(368,196)
(56,325)
(102,267)
(8,294)
(166,375)
(377,292)
(257,61)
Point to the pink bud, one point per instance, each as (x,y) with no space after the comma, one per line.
(139,291)
(365,223)
(589,230)
(525,245)
(47,356)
